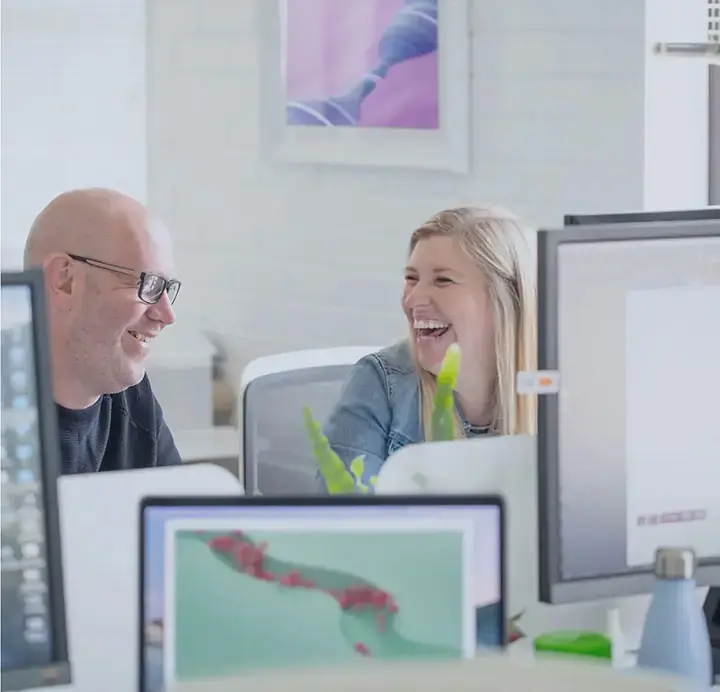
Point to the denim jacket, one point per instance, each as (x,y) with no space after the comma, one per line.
(379,410)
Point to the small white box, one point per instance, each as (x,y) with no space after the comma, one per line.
(180,369)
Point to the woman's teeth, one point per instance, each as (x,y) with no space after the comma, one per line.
(429,324)
(430,328)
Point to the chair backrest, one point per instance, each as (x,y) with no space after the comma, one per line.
(277,457)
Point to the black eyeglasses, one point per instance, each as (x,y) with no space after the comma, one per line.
(152,286)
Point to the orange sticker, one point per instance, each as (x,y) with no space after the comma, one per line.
(538,382)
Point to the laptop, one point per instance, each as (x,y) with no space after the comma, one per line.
(238,585)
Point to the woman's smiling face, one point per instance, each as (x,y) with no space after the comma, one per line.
(446,300)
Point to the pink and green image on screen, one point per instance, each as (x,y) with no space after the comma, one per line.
(361,63)
(244,599)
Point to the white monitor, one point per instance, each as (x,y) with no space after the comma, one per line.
(629,317)
(503,465)
(101,550)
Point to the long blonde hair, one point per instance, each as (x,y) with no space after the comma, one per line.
(494,239)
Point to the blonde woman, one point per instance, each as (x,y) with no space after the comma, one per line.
(469,280)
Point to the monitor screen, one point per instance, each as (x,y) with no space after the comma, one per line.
(33,637)
(266,585)
(630,442)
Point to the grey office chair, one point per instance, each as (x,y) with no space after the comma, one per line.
(277,457)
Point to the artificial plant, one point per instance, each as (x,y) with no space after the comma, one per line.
(442,425)
(338,479)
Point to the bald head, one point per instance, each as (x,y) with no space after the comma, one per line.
(94,222)
(109,275)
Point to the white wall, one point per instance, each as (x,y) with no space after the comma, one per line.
(281,257)
(73,105)
(565,117)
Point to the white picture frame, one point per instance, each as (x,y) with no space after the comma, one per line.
(447,148)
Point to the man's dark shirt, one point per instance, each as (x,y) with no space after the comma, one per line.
(119,431)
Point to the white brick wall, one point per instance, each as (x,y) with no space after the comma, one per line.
(279,257)
(73,105)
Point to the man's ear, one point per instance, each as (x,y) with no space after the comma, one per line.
(61,280)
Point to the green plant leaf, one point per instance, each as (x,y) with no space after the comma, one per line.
(337,478)
(443,415)
(357,467)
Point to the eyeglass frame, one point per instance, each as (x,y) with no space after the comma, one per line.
(126,271)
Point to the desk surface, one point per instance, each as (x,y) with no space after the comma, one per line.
(208,443)
(520,651)
(487,674)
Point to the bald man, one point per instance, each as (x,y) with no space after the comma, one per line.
(108,270)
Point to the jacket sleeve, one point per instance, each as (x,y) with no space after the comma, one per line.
(359,425)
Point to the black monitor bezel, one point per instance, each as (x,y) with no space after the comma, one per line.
(703,214)
(59,671)
(711,609)
(552,587)
(489,500)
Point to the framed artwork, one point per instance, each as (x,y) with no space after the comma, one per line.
(368,82)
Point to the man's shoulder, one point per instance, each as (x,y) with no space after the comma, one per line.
(140,406)
(142,439)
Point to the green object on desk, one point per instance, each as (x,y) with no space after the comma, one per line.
(573,643)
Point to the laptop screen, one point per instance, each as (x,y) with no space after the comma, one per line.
(229,589)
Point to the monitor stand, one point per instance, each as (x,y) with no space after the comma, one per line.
(712,615)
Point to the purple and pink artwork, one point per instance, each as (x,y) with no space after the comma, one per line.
(362,63)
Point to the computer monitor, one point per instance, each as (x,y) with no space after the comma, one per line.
(627,450)
(34,649)
(234,586)
(704,214)
(712,617)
